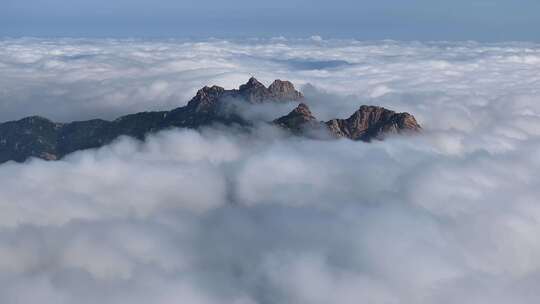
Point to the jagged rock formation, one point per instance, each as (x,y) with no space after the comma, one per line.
(252,92)
(299,121)
(39,137)
(42,138)
(371,122)
(366,124)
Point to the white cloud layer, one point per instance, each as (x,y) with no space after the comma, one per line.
(218,216)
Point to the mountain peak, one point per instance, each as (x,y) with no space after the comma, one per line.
(373,122)
(256,92)
(251,84)
(284,90)
(206,98)
(39,137)
(298,120)
(303,110)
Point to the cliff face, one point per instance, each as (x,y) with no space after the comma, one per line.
(42,138)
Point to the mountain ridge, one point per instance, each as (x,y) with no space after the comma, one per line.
(40,137)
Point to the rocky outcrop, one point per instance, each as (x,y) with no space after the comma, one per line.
(41,138)
(366,124)
(284,91)
(206,99)
(255,92)
(209,99)
(371,122)
(299,121)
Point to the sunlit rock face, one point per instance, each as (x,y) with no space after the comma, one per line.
(366,124)
(371,122)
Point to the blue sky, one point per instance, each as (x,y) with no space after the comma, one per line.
(483,20)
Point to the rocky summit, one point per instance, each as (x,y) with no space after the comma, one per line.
(371,122)
(366,124)
(299,121)
(41,138)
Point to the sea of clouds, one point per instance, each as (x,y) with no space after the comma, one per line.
(220,216)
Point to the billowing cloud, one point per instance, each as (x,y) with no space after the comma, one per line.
(219,215)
